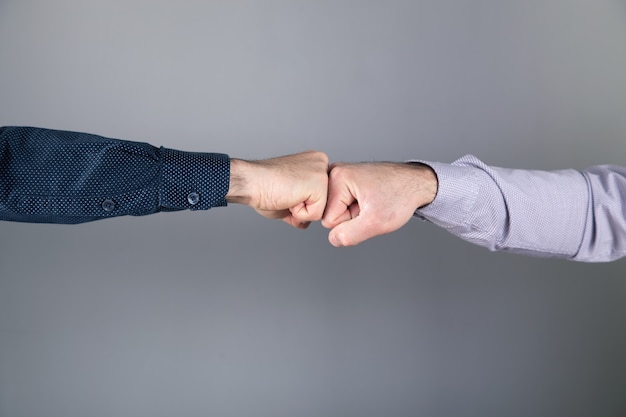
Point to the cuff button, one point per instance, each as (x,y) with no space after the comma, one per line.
(108,205)
(193,198)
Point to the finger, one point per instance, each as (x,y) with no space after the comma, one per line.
(312,209)
(340,198)
(353,232)
(292,221)
(354,210)
(336,212)
(297,210)
(350,213)
(285,216)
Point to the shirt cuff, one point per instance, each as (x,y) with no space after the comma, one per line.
(456,195)
(193,180)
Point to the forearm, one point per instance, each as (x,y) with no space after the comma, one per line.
(541,213)
(49,176)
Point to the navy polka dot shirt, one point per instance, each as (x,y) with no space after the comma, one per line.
(51,176)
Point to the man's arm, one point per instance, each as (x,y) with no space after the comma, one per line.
(566,214)
(51,176)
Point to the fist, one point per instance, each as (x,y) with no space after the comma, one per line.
(371,199)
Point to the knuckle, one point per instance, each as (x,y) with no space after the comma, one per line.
(337,172)
(317,155)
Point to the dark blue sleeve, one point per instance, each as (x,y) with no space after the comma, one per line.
(51,176)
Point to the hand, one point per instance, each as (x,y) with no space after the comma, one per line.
(370,199)
(292,188)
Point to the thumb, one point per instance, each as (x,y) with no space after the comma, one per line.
(352,232)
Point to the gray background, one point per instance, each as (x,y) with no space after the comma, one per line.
(224,313)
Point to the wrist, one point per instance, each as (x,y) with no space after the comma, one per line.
(239,186)
(426,184)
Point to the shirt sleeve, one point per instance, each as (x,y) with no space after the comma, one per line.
(578,215)
(51,176)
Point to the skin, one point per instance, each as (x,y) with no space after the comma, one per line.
(291,188)
(356,201)
(370,199)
